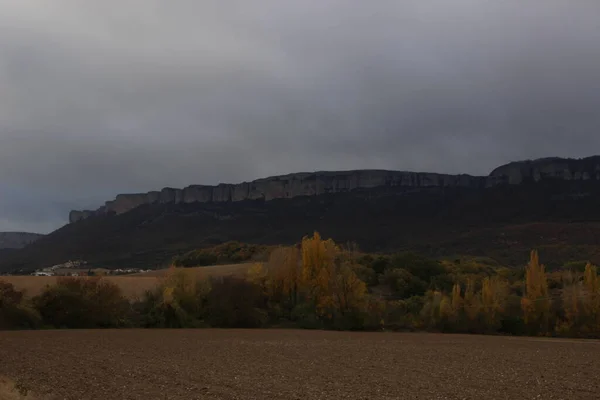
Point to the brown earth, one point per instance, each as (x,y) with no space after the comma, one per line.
(132,285)
(291,364)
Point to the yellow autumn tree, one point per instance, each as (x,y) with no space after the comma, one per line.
(457,300)
(318,271)
(284,277)
(349,292)
(451,307)
(258,275)
(471,303)
(572,296)
(535,302)
(182,297)
(591,298)
(328,280)
(437,311)
(494,298)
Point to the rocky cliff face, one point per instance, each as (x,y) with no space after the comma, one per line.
(547,168)
(17,240)
(313,184)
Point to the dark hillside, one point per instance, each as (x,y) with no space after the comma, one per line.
(561,218)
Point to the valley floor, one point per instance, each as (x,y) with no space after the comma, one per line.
(293,364)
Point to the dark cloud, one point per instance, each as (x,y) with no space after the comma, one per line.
(98,99)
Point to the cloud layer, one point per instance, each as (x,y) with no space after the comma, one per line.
(100,99)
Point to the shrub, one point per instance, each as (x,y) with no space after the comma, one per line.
(235,303)
(178,302)
(378,264)
(404,284)
(421,267)
(82,303)
(229,252)
(366,274)
(15,312)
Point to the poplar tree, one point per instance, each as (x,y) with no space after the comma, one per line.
(535,302)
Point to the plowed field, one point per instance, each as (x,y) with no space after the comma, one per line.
(291,364)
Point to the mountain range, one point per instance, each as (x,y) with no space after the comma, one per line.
(17,240)
(550,204)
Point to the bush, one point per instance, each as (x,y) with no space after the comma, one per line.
(421,267)
(305,317)
(404,284)
(365,274)
(82,303)
(229,252)
(378,264)
(177,303)
(15,312)
(235,303)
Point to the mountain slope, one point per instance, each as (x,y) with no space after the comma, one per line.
(17,240)
(561,217)
(329,182)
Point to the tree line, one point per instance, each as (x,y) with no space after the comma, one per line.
(319,284)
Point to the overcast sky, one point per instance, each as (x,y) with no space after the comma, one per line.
(101,97)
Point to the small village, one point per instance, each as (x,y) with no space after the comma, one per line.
(79,268)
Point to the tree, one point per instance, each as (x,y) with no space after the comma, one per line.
(535,301)
(591,298)
(403,283)
(349,292)
(15,312)
(572,296)
(494,296)
(284,278)
(329,282)
(235,303)
(421,267)
(318,271)
(471,303)
(75,302)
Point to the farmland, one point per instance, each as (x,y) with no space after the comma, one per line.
(290,364)
(132,285)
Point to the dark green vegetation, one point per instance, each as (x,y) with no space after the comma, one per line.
(560,218)
(227,253)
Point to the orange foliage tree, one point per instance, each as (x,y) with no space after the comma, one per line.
(591,298)
(535,301)
(328,282)
(280,278)
(494,297)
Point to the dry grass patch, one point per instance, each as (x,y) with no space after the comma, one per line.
(133,286)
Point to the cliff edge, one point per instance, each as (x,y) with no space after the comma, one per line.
(322,182)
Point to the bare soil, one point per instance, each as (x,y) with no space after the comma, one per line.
(292,364)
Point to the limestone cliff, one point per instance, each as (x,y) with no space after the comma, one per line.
(316,183)
(547,168)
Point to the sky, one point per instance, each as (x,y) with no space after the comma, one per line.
(99,99)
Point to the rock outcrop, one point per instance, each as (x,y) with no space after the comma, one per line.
(314,184)
(547,168)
